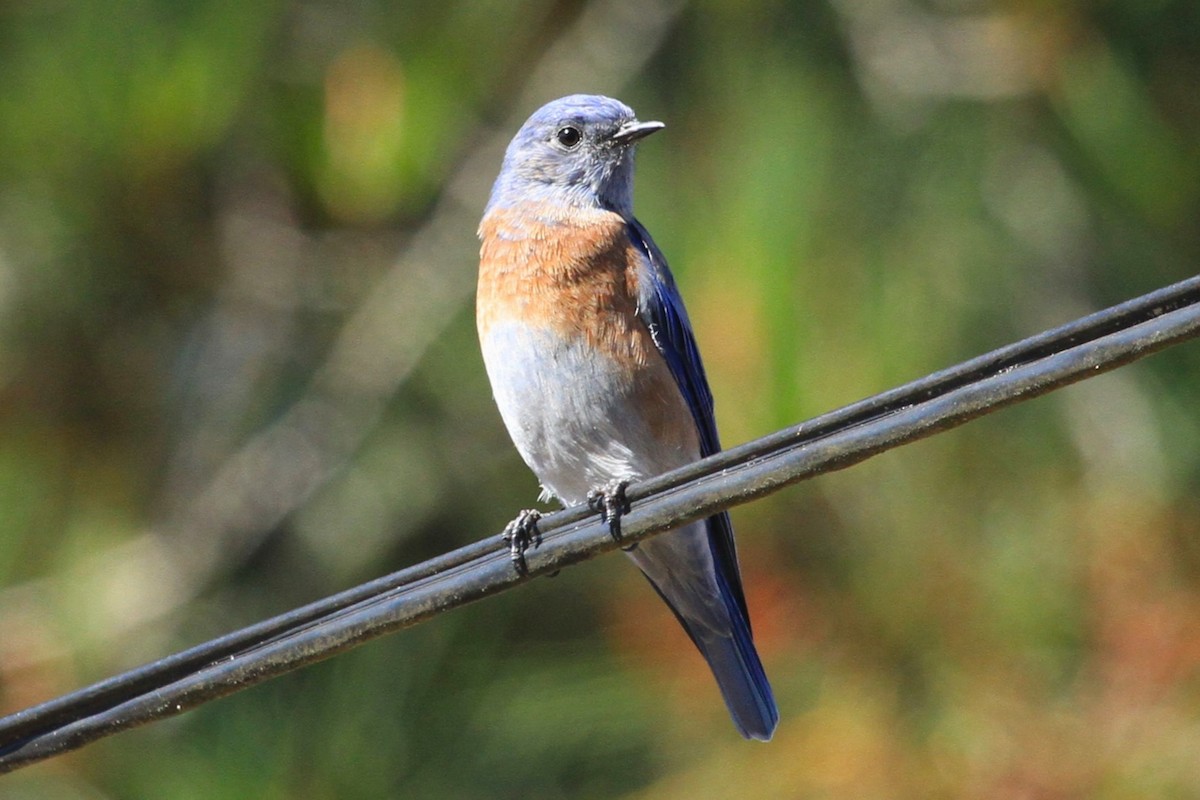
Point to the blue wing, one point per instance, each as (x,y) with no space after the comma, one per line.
(730,654)
(661,309)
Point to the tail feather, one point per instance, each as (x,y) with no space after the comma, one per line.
(715,620)
(740,676)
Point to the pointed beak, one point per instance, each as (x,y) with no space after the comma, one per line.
(631,132)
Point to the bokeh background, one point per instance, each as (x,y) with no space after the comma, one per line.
(238,372)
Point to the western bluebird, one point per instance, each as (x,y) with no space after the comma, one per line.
(595,369)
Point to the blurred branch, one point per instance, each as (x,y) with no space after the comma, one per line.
(907,56)
(1027,369)
(273,473)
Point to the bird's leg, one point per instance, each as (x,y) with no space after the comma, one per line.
(519,535)
(610,502)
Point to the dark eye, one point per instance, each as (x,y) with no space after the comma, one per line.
(568,136)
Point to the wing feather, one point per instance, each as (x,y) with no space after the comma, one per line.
(661,309)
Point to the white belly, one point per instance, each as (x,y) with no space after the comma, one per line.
(577,418)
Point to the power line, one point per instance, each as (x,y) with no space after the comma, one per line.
(1067,354)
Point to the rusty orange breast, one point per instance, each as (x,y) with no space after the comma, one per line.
(575,275)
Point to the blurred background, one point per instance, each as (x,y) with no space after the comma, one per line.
(238,372)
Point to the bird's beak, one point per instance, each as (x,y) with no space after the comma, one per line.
(630,132)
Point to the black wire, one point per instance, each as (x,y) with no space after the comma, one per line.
(1086,347)
(1085,329)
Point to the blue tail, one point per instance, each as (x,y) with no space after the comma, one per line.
(740,676)
(713,612)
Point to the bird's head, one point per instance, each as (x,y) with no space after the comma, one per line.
(576,150)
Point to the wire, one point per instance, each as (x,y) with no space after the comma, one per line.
(1067,354)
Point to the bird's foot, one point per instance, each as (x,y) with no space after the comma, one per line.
(519,535)
(610,503)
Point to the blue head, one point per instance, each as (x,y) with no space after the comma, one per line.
(574,151)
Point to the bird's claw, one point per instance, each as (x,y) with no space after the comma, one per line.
(610,502)
(519,535)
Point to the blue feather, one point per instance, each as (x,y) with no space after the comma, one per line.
(733,659)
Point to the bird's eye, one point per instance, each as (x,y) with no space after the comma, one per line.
(568,136)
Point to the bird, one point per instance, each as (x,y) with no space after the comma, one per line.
(595,370)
